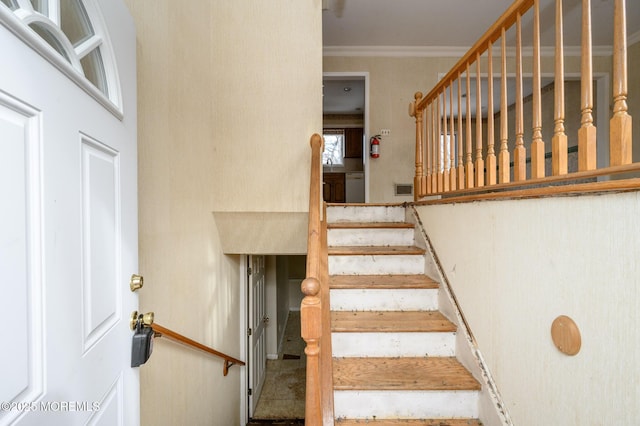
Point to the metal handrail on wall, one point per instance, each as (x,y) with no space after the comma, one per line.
(161,331)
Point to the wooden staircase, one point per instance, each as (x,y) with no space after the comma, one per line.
(393,351)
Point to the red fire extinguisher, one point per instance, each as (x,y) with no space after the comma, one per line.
(374,144)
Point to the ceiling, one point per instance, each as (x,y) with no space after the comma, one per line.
(422,26)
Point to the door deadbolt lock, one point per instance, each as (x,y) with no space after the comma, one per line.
(136,282)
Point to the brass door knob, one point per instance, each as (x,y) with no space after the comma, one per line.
(147,319)
(136,282)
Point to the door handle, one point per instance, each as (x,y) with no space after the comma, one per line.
(136,282)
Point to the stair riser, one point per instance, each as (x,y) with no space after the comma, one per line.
(365,214)
(393,344)
(370,237)
(384,300)
(376,264)
(405,404)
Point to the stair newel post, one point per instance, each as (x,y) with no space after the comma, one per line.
(620,140)
(315,333)
(416,112)
(310,317)
(587,132)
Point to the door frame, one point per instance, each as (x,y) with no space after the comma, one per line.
(244,347)
(365,152)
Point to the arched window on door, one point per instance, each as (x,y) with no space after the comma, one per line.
(75,40)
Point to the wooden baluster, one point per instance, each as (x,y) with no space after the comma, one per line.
(520,154)
(479,166)
(434,146)
(504,168)
(310,316)
(460,150)
(559,141)
(620,130)
(468,162)
(452,141)
(587,132)
(417,180)
(446,162)
(427,113)
(438,143)
(491,155)
(537,144)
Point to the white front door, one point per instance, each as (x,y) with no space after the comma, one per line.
(68,222)
(257,322)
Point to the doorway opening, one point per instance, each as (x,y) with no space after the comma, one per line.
(345,121)
(276,367)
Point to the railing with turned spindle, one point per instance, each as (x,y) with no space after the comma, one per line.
(315,316)
(451,161)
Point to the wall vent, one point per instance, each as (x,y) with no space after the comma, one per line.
(404,188)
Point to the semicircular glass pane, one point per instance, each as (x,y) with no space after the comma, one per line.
(74,21)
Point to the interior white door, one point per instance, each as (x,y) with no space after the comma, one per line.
(68,236)
(257,337)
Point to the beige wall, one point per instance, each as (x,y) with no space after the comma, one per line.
(520,264)
(228,99)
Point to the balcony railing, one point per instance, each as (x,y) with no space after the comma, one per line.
(460,149)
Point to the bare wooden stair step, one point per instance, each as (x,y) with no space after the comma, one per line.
(390,321)
(370,225)
(381,281)
(410,422)
(425,373)
(374,250)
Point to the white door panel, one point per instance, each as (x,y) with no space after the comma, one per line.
(68,245)
(257,322)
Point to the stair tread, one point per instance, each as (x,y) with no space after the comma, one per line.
(406,373)
(400,422)
(390,321)
(373,225)
(382,281)
(374,250)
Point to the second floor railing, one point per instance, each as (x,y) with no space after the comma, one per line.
(461,149)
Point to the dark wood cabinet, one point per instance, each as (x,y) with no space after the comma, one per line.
(333,187)
(353,142)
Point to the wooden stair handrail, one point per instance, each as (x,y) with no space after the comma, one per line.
(179,338)
(314,310)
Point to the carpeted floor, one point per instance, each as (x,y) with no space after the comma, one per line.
(282,395)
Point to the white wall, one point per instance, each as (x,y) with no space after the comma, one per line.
(517,265)
(229,94)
